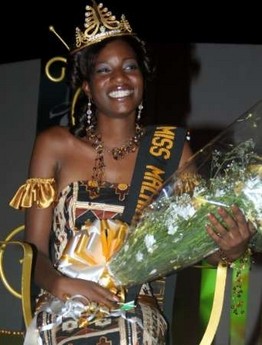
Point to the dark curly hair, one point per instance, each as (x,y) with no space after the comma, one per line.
(81,66)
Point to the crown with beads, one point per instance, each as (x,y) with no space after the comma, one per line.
(99,25)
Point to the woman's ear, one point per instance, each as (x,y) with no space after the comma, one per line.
(85,88)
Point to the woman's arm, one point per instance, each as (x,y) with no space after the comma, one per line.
(47,159)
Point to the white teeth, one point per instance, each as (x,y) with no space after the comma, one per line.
(120,93)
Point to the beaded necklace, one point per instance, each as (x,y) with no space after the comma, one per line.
(117,153)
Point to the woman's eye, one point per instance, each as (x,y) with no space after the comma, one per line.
(131,67)
(102,69)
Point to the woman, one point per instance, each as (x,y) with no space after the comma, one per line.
(85,175)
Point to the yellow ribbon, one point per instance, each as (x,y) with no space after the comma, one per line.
(39,191)
(89,250)
(217,305)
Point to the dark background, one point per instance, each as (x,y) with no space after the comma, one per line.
(25,34)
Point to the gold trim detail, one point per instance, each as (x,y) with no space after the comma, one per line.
(41,191)
(25,294)
(48,66)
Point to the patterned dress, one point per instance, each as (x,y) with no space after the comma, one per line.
(73,212)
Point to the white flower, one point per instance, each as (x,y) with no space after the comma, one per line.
(181,210)
(220,192)
(139,257)
(126,247)
(150,243)
(171,228)
(154,271)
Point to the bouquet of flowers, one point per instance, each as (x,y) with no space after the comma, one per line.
(170,233)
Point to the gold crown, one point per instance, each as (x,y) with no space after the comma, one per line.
(100,24)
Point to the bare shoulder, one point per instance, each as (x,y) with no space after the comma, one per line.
(50,148)
(54,137)
(54,133)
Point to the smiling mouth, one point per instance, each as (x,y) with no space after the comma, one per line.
(120,93)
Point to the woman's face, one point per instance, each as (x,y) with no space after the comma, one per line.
(116,85)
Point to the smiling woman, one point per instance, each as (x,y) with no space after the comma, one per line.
(81,180)
(88,180)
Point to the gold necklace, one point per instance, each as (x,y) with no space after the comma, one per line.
(95,139)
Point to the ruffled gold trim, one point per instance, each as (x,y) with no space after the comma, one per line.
(40,191)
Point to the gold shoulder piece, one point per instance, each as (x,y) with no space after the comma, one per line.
(40,191)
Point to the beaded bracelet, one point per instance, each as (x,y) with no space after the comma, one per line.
(240,268)
(244,258)
(225,259)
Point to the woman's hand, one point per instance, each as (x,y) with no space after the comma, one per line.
(66,287)
(232,237)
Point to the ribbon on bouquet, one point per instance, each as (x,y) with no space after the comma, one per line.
(89,250)
(76,307)
(80,309)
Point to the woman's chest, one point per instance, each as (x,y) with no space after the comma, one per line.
(84,164)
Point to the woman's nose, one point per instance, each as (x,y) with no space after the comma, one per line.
(119,75)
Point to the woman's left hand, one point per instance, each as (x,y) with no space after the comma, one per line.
(232,234)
